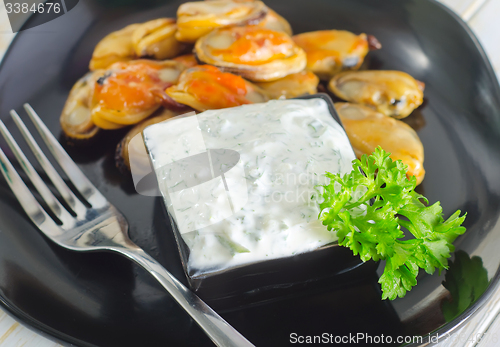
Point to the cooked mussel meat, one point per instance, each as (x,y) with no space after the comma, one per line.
(113,48)
(156,39)
(188,60)
(274,21)
(205,87)
(135,149)
(332,51)
(127,93)
(76,121)
(256,53)
(291,86)
(393,93)
(196,19)
(367,129)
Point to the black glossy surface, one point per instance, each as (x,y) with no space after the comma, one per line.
(103,299)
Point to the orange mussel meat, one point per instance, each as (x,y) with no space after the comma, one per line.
(253,45)
(128,92)
(256,53)
(205,87)
(332,51)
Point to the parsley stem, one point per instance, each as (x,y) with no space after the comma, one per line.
(370,193)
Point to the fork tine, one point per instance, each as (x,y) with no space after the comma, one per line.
(81,182)
(40,186)
(28,202)
(73,202)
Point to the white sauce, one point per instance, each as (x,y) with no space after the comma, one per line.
(263,210)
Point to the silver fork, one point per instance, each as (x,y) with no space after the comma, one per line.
(99,227)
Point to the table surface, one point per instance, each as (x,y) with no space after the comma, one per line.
(482,16)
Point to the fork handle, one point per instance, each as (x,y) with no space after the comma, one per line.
(219,331)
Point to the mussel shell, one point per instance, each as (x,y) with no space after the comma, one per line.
(76,121)
(367,129)
(122,149)
(274,68)
(291,86)
(393,93)
(207,99)
(196,19)
(332,51)
(156,39)
(113,48)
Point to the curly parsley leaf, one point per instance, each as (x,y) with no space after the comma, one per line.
(467,280)
(367,209)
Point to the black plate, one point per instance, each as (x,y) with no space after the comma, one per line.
(103,299)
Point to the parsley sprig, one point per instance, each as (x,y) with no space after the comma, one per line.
(368,209)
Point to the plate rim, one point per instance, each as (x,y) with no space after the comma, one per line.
(445,331)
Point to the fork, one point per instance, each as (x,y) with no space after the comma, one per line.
(100,227)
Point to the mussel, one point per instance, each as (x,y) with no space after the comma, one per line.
(188,60)
(291,86)
(113,48)
(76,121)
(332,51)
(196,19)
(205,87)
(256,53)
(126,148)
(393,93)
(274,21)
(129,92)
(156,39)
(367,129)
